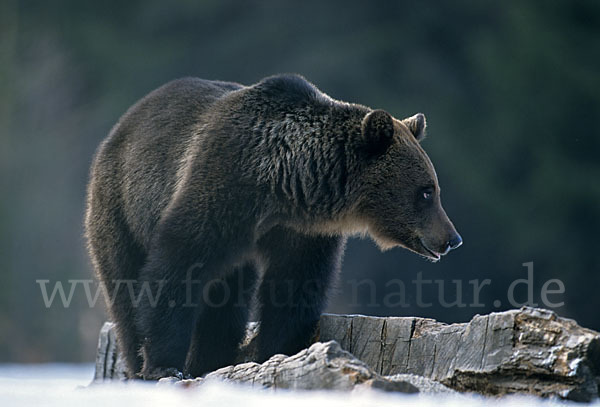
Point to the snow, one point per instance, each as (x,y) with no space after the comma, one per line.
(63,385)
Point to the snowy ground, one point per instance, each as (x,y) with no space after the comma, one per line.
(61,385)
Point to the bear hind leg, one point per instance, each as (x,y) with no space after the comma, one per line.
(221,326)
(117,261)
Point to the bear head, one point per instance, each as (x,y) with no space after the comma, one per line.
(400,195)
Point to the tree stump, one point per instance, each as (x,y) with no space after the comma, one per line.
(530,351)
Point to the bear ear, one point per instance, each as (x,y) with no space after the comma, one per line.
(416,124)
(377,130)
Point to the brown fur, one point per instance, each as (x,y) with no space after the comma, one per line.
(228,181)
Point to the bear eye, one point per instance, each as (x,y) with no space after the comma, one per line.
(427,193)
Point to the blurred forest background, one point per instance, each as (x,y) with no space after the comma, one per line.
(511,91)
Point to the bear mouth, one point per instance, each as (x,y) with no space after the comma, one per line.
(414,244)
(428,253)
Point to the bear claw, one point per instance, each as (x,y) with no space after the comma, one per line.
(159,373)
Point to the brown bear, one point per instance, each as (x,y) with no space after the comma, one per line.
(207,196)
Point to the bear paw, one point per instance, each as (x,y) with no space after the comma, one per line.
(161,372)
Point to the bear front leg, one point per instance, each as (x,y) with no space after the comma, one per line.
(294,289)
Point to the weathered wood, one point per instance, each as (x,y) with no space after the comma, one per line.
(519,351)
(109,363)
(323,366)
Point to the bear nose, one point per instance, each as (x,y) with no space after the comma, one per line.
(454,242)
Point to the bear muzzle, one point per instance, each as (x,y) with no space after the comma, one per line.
(454,241)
